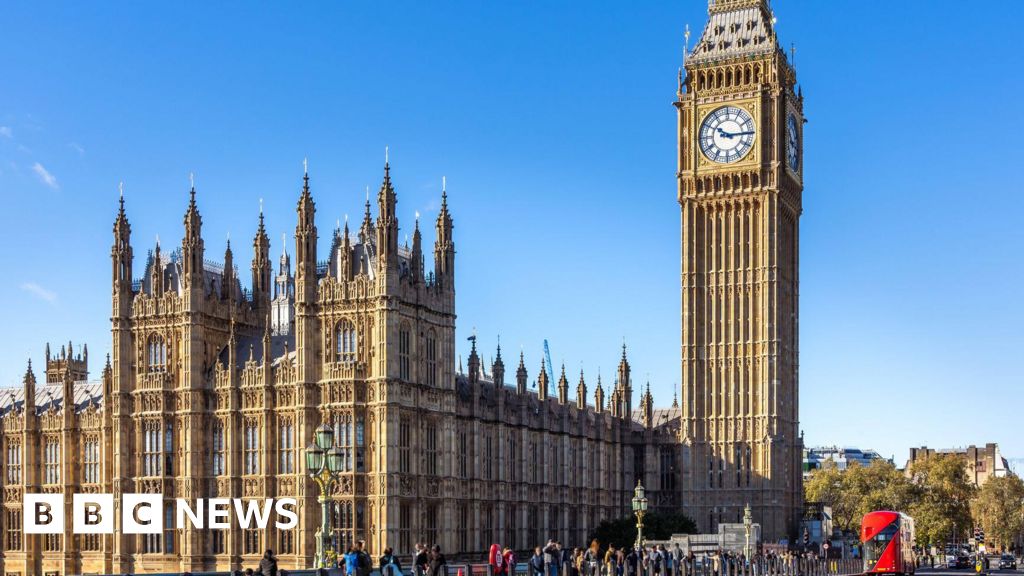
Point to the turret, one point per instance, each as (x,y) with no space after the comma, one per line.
(647,407)
(305,247)
(345,255)
(599,396)
(498,369)
(563,388)
(387,225)
(444,246)
(542,382)
(156,273)
(30,392)
(474,362)
(416,257)
(121,261)
(581,393)
(261,268)
(521,375)
(192,247)
(625,384)
(227,280)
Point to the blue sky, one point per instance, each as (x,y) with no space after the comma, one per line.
(554,126)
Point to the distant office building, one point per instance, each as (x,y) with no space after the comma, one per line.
(981,463)
(815,458)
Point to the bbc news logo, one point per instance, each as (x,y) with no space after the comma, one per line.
(144,513)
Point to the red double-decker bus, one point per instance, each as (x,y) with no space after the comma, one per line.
(888,542)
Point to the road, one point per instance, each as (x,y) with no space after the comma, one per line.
(968,572)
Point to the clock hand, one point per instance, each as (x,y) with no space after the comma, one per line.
(732,135)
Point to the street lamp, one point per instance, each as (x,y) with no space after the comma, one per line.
(324,461)
(748,523)
(639,508)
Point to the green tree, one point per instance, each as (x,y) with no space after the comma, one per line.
(657,526)
(999,509)
(854,492)
(942,508)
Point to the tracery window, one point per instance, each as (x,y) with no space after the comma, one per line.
(404,351)
(343,524)
(251,449)
(431,359)
(286,446)
(345,341)
(404,441)
(51,461)
(13,462)
(12,536)
(430,454)
(91,461)
(252,542)
(218,448)
(156,354)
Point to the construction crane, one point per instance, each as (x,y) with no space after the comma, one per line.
(551,367)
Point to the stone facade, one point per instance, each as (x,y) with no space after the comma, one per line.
(214,391)
(740,124)
(980,462)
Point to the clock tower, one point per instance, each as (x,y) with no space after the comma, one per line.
(740,173)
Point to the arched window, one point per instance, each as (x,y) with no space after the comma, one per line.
(404,351)
(345,342)
(431,358)
(156,354)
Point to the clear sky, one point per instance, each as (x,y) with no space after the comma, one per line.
(554,125)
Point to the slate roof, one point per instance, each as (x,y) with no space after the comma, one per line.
(86,393)
(742,32)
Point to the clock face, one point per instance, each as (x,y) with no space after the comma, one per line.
(727,134)
(792,143)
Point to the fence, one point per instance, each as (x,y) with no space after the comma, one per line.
(702,566)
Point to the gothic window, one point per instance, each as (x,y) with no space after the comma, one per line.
(463,527)
(749,465)
(431,358)
(668,468)
(513,452)
(721,472)
(343,528)
(52,542)
(286,446)
(343,439)
(404,440)
(434,517)
(488,459)
(711,472)
(463,456)
(430,453)
(13,462)
(218,449)
(156,354)
(169,449)
(487,522)
(51,461)
(152,445)
(738,456)
(285,541)
(534,466)
(151,543)
(12,535)
(217,541)
(345,342)
(404,351)
(251,542)
(533,525)
(404,526)
(169,528)
(251,448)
(360,443)
(91,461)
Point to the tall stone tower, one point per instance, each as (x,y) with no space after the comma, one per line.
(740,186)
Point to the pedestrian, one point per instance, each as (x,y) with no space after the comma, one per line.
(629,563)
(566,559)
(268,564)
(351,559)
(420,560)
(537,562)
(551,558)
(363,562)
(509,558)
(592,558)
(437,566)
(389,564)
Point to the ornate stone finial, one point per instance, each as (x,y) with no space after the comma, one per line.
(305,166)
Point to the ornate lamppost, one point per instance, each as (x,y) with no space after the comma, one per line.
(323,463)
(748,524)
(640,509)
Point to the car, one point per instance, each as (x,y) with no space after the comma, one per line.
(1007,562)
(963,561)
